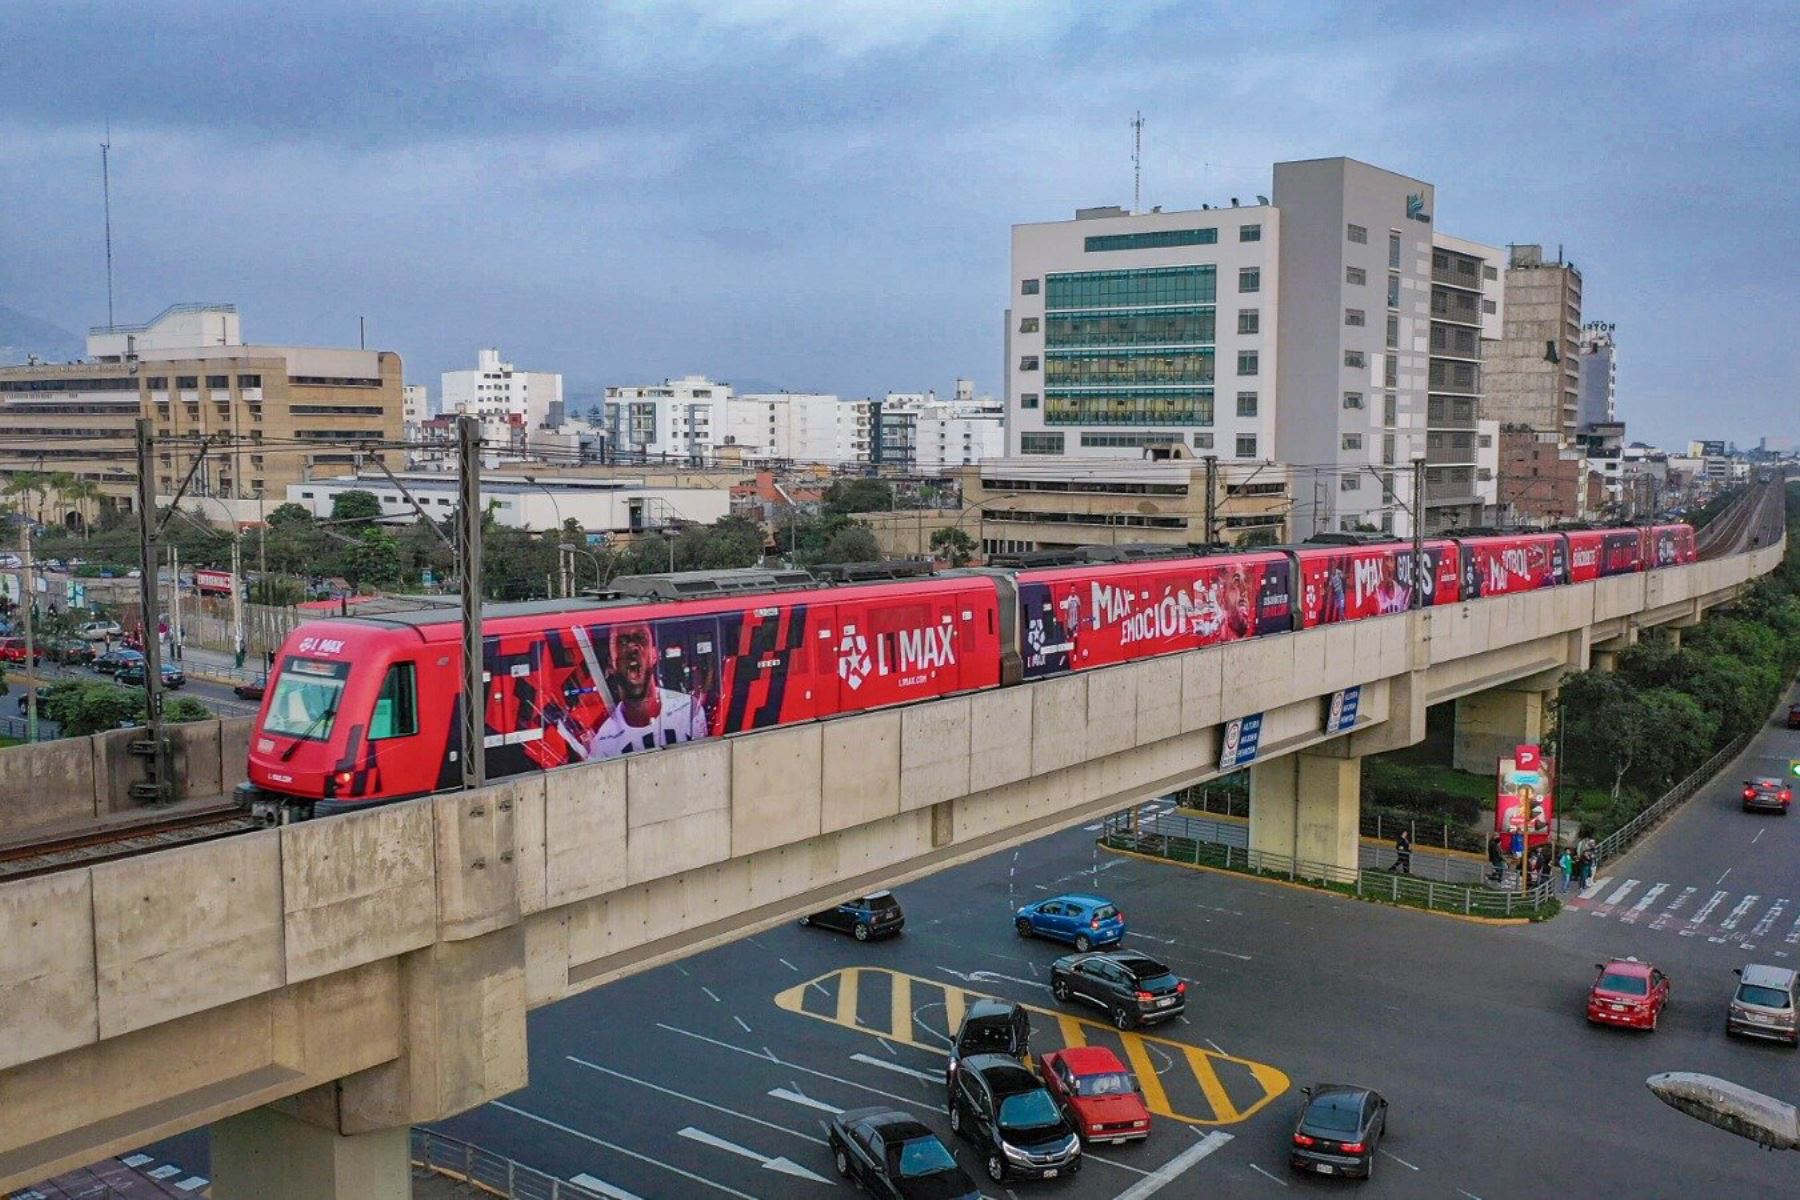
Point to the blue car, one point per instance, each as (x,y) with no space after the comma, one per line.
(1083,921)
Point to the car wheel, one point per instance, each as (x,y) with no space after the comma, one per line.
(956,1118)
(805,921)
(1023,926)
(861,933)
(996,1167)
(1082,944)
(1060,989)
(843,1164)
(1122,1019)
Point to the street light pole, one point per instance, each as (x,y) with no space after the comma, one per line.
(26,597)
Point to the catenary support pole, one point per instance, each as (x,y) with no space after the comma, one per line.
(149,594)
(468,556)
(27,600)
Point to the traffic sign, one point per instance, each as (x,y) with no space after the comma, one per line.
(1240,741)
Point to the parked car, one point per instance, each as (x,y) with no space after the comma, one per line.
(132,674)
(1339,1129)
(989,1027)
(1793,721)
(1006,1112)
(1767,795)
(69,651)
(1097,1094)
(12,650)
(10,561)
(252,690)
(1131,988)
(1627,992)
(876,915)
(99,631)
(892,1155)
(1082,920)
(110,662)
(1764,1004)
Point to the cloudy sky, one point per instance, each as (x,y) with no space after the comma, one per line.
(818,195)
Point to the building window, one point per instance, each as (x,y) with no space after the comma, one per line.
(1247,362)
(1028,287)
(1353,400)
(1246,404)
(1028,325)
(159,383)
(1356,275)
(1160,286)
(249,381)
(1486,441)
(1249,321)
(1357,234)
(1249,279)
(1350,483)
(218,381)
(187,381)
(1390,410)
(1393,251)
(1132,441)
(1393,291)
(1353,316)
(1490,306)
(1246,445)
(1387,455)
(1040,443)
(1356,359)
(1159,239)
(1390,370)
(1393,332)
(1203,441)
(1352,441)
(1490,273)
(1028,362)
(1028,400)
(1249,233)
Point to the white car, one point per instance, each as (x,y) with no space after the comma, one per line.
(10,561)
(98,631)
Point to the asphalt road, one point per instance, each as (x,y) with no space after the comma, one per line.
(216,696)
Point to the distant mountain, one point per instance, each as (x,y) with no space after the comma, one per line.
(22,336)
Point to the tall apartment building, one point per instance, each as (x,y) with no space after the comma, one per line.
(277,412)
(799,426)
(1597,374)
(917,431)
(1534,377)
(507,400)
(1130,330)
(677,420)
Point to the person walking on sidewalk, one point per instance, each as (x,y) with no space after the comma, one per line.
(1567,863)
(1402,853)
(1496,860)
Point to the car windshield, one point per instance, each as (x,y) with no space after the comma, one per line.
(1336,1112)
(1107,1083)
(1105,912)
(1629,985)
(306,698)
(923,1156)
(1766,997)
(1028,1110)
(987,1037)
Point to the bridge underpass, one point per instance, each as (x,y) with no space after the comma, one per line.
(314,990)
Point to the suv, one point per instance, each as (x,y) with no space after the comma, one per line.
(989,1027)
(1131,988)
(1769,795)
(875,915)
(1763,1005)
(99,631)
(1015,1123)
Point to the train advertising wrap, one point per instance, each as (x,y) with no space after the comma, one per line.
(1077,620)
(1598,553)
(1498,566)
(1349,584)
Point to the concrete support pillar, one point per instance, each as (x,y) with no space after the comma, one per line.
(1307,806)
(1489,724)
(267,1155)
(1606,660)
(1674,637)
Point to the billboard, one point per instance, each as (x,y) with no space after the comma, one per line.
(1524,803)
(209,582)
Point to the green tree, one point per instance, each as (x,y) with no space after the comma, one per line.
(374,559)
(854,543)
(847,496)
(1262,535)
(953,544)
(355,505)
(84,708)
(289,514)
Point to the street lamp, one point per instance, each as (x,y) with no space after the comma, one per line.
(571,548)
(968,508)
(564,566)
(1770,1123)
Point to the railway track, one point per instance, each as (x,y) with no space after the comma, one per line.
(107,844)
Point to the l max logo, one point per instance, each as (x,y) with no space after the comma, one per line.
(1415,207)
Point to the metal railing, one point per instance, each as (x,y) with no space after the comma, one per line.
(18,728)
(1627,835)
(490,1173)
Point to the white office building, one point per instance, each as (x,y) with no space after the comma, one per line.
(1597,372)
(678,420)
(597,505)
(810,427)
(508,400)
(922,433)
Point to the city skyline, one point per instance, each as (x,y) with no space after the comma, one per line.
(773,195)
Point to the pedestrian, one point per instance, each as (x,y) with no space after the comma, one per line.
(1496,859)
(1567,863)
(1402,853)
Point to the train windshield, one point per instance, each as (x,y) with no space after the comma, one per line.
(306,698)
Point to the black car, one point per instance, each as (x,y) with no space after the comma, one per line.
(1131,988)
(989,1027)
(892,1155)
(872,916)
(1339,1130)
(132,674)
(1016,1124)
(110,662)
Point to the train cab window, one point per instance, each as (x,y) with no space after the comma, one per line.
(306,698)
(396,711)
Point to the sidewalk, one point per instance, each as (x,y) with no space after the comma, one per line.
(1427,863)
(219,666)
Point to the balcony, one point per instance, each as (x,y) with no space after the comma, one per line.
(1443,490)
(1460,273)
(1457,307)
(1443,412)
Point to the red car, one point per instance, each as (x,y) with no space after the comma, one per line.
(1098,1094)
(12,649)
(1627,992)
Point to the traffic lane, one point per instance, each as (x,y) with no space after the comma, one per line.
(217,696)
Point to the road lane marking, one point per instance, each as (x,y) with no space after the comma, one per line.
(1588,892)
(1166,1174)
(740,1021)
(719,1108)
(1759,834)
(786,1166)
(714,995)
(1769,918)
(1705,910)
(1149,1082)
(769,1056)
(1644,901)
(1624,890)
(1668,914)
(618,1149)
(848,983)
(1721,879)
(801,1098)
(1793,935)
(604,1188)
(1737,914)
(1399,1160)
(1267,1176)
(898,1068)
(1113,1162)
(790,966)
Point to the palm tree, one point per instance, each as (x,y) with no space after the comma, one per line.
(26,483)
(78,494)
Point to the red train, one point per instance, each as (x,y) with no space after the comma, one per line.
(364,710)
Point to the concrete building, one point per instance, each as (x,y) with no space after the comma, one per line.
(508,400)
(277,412)
(1130,330)
(415,406)
(1534,373)
(677,420)
(617,505)
(1597,376)
(1487,469)
(1033,502)
(809,427)
(1542,481)
(917,431)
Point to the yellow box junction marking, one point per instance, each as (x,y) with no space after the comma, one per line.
(1213,1089)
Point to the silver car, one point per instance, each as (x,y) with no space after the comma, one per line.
(1763,1005)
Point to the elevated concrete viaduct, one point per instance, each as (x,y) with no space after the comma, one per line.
(312,991)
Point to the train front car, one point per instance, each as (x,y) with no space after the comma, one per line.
(340,705)
(1671,545)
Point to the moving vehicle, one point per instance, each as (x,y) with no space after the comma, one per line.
(1082,920)
(1793,718)
(69,651)
(1131,988)
(251,689)
(893,1156)
(99,631)
(12,650)
(1629,993)
(1097,1094)
(1767,794)
(1764,1004)
(875,915)
(1006,1112)
(365,710)
(132,674)
(110,662)
(989,1027)
(1338,1131)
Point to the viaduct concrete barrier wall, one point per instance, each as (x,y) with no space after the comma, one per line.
(393,954)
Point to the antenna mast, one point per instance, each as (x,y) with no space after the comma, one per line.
(1136,162)
(106,201)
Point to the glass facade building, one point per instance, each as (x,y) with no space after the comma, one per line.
(1130,347)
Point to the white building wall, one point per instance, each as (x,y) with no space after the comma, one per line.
(678,419)
(597,508)
(504,397)
(799,426)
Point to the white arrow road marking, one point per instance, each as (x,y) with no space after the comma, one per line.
(1644,901)
(927,1076)
(618,1149)
(786,1166)
(604,1188)
(808,1101)
(1166,1174)
(720,1108)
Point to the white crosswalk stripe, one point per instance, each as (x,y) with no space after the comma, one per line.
(1593,889)
(1644,901)
(1704,911)
(1793,935)
(1663,918)
(1737,913)
(1624,890)
(1768,919)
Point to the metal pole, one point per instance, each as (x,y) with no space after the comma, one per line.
(238,644)
(1212,479)
(1420,575)
(26,596)
(175,604)
(148,590)
(468,554)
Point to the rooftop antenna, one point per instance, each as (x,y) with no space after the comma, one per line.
(1137,162)
(106,202)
